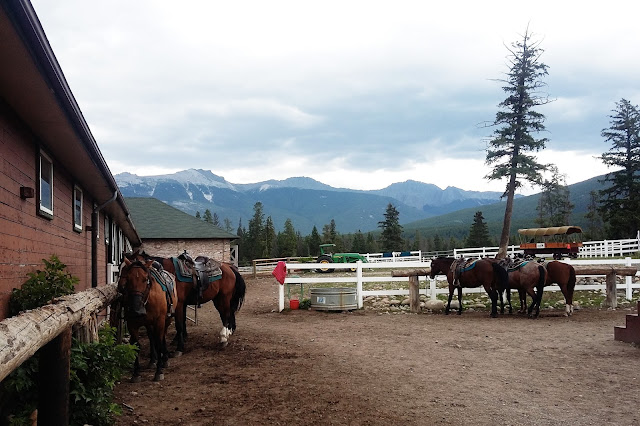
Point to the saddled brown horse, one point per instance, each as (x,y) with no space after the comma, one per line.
(481,272)
(564,275)
(528,278)
(147,298)
(227,294)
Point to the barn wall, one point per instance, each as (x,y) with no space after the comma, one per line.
(25,237)
(218,249)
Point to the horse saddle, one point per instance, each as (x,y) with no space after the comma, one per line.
(517,264)
(166,281)
(204,269)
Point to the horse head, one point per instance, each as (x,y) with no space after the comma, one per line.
(136,283)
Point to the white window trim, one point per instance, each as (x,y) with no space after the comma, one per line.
(43,210)
(76,190)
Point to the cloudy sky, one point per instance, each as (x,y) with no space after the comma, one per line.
(355,94)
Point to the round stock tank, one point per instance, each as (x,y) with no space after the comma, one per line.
(334,299)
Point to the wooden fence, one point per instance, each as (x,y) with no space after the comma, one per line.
(50,328)
(609,268)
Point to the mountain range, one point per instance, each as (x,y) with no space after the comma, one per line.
(305,201)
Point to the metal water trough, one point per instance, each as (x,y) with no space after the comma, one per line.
(334,299)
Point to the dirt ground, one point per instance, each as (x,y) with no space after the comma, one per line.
(370,368)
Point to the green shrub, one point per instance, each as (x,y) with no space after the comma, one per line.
(42,287)
(305,304)
(95,369)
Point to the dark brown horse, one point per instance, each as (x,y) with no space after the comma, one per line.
(147,304)
(564,275)
(481,272)
(528,278)
(227,294)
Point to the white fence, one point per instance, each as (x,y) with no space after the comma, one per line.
(395,256)
(589,249)
(430,288)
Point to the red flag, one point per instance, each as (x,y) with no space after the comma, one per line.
(280,272)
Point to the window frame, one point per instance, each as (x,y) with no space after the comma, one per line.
(77,190)
(45,211)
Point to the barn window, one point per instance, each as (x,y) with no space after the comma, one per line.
(45,187)
(77,209)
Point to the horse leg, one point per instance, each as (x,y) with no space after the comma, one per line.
(523,301)
(493,295)
(134,340)
(226,330)
(179,339)
(160,342)
(446,310)
(509,301)
(153,351)
(460,300)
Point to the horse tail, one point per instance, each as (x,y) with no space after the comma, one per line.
(502,277)
(571,284)
(238,291)
(542,279)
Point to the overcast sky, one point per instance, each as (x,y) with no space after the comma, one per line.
(357,94)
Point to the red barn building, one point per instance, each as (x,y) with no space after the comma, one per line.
(57,194)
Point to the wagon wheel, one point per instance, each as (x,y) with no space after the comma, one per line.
(325,259)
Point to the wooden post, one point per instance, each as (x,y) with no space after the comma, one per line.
(414,294)
(611,301)
(54,373)
(414,288)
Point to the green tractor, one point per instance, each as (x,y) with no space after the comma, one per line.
(327,257)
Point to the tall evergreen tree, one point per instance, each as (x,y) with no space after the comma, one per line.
(287,240)
(207,216)
(216,219)
(270,242)
(516,121)
(595,229)
(479,232)
(255,238)
(621,201)
(391,237)
(359,245)
(314,242)
(227,225)
(554,207)
(198,215)
(372,244)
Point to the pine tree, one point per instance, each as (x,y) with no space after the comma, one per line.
(479,232)
(595,227)
(620,203)
(372,244)
(216,219)
(198,215)
(227,225)
(554,206)
(314,242)
(255,238)
(358,245)
(391,237)
(207,216)
(516,121)
(287,240)
(270,243)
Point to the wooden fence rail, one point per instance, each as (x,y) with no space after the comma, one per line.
(49,327)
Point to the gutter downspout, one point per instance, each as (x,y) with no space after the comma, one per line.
(95,215)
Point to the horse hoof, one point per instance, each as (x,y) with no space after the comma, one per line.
(494,315)
(136,379)
(176,354)
(152,366)
(158,377)
(223,345)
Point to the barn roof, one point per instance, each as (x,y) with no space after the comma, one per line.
(156,219)
(35,89)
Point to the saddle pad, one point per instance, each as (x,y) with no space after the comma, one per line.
(465,265)
(516,266)
(164,279)
(183,272)
(208,267)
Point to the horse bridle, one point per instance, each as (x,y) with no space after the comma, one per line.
(144,294)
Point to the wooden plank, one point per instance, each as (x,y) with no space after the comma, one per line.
(410,272)
(605,270)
